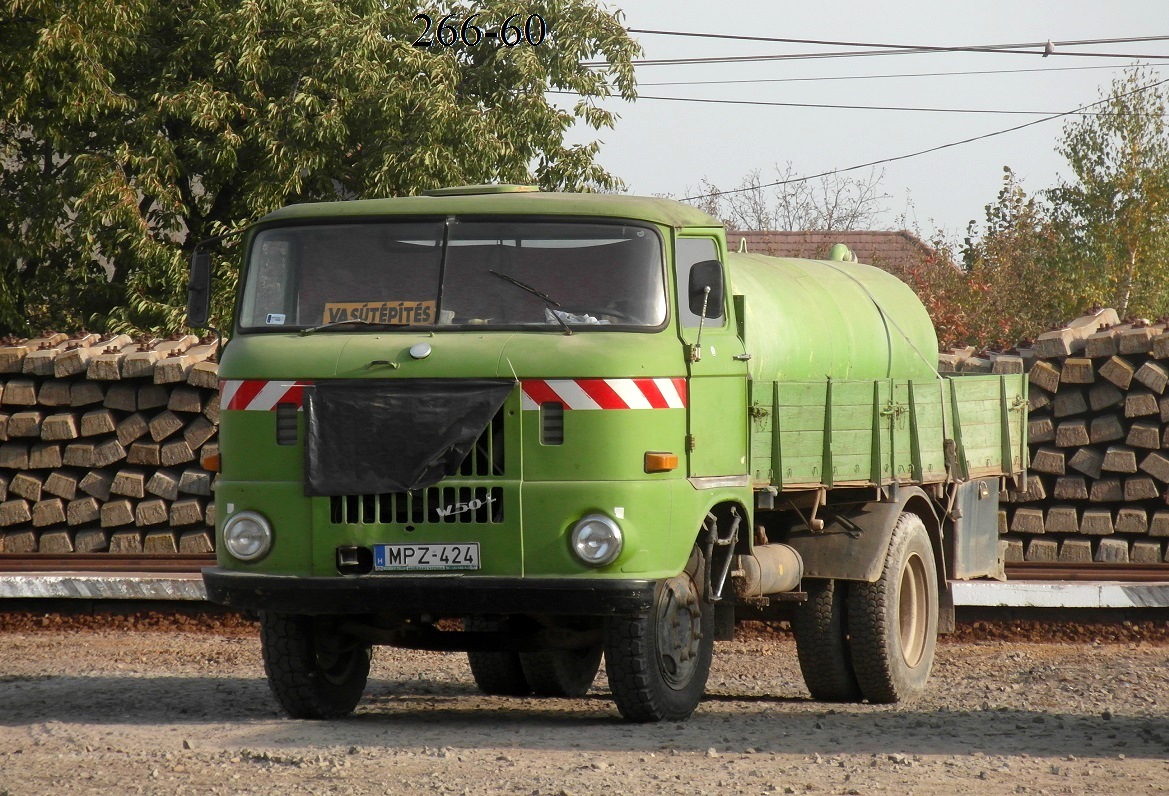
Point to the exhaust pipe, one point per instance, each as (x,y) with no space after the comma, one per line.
(770,569)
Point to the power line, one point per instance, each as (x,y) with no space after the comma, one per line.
(938,148)
(1023,48)
(914,47)
(737,59)
(821,105)
(868,77)
(831,106)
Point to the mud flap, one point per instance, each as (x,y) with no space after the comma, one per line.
(852,546)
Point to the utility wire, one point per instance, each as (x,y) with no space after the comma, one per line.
(738,59)
(914,47)
(866,77)
(931,149)
(831,106)
(1024,48)
(767,103)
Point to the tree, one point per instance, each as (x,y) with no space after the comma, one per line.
(1014,286)
(1115,215)
(1097,240)
(130,130)
(829,203)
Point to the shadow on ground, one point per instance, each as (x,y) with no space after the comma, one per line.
(446,714)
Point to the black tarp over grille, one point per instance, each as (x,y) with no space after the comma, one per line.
(370,437)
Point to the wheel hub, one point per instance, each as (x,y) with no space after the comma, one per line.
(680,630)
(912,607)
(335,658)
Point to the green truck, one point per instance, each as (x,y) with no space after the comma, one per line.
(543,428)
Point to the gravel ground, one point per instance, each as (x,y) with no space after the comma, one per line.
(177,705)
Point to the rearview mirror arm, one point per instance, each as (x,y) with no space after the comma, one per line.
(696,349)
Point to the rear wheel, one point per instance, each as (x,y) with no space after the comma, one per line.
(496,672)
(313,671)
(561,673)
(893,623)
(822,642)
(658,662)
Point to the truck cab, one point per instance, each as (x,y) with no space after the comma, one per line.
(509,408)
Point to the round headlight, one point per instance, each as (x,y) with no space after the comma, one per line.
(596,540)
(247,535)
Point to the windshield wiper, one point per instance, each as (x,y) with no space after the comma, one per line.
(548,300)
(361,321)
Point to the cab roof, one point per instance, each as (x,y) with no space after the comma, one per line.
(505,200)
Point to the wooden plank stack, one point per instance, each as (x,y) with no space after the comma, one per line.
(1098,430)
(100,444)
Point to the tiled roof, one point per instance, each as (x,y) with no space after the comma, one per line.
(890,250)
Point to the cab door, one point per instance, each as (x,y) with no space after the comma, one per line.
(717,420)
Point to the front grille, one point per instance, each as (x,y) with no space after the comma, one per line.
(485,460)
(470,503)
(435,505)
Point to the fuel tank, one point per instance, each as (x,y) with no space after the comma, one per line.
(809,320)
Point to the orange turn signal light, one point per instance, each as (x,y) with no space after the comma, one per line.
(210,462)
(658,462)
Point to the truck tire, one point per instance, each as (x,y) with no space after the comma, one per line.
(496,673)
(820,628)
(313,671)
(893,623)
(658,662)
(561,673)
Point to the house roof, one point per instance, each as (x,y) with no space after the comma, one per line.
(887,249)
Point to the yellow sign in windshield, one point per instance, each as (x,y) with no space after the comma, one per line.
(387,312)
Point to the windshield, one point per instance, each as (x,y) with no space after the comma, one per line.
(501,274)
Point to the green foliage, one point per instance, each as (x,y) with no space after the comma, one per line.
(130,130)
(1115,215)
(1101,239)
(1013,288)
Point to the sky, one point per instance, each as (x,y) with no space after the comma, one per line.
(666,147)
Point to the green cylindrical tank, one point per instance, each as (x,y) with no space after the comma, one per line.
(809,320)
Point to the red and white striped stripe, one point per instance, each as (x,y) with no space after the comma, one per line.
(262,395)
(259,395)
(606,393)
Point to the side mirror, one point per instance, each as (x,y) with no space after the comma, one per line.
(703,275)
(199,290)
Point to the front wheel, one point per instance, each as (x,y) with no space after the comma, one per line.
(496,672)
(893,623)
(561,673)
(314,671)
(658,662)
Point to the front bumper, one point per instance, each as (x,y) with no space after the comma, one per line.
(441,595)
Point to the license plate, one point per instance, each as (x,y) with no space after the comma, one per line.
(405,557)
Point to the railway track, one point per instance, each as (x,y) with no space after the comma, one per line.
(13,563)
(170,578)
(20,563)
(1127,573)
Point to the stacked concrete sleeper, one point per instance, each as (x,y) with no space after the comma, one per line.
(100,445)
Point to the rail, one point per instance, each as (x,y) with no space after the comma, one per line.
(1127,573)
(102,562)
(110,562)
